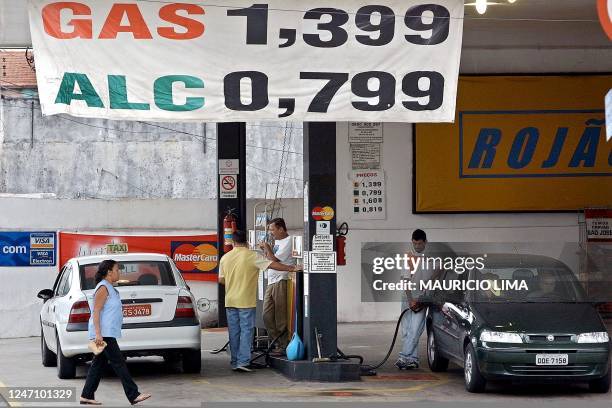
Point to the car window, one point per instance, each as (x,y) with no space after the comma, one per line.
(544,284)
(65,288)
(177,273)
(132,273)
(62,281)
(58,278)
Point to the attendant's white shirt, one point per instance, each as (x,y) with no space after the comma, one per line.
(282,252)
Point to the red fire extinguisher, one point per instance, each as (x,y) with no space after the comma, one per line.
(341,243)
(229,227)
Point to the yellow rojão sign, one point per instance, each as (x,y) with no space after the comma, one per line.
(519,143)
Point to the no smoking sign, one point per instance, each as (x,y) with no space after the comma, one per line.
(228,186)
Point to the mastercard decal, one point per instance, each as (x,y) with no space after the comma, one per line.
(195,256)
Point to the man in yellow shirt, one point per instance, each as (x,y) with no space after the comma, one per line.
(238,271)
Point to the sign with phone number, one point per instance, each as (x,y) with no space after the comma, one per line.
(314,60)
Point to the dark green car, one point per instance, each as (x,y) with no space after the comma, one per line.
(548,333)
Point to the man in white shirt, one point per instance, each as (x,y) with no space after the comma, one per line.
(275,299)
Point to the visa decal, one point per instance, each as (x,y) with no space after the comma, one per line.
(544,143)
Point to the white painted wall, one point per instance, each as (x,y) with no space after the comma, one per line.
(19,306)
(179,214)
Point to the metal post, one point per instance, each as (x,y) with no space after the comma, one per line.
(320,174)
(231,144)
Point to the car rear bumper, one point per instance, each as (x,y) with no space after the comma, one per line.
(137,339)
(584,364)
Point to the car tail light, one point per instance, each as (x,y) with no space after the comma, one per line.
(184,307)
(79,313)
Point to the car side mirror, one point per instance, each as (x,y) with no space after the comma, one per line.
(45,294)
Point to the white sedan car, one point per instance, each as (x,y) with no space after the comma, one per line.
(160,317)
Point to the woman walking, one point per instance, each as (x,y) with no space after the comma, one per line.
(105,326)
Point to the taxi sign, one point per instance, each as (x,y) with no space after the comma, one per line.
(121,248)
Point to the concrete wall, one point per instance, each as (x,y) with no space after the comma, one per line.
(75,158)
(266,160)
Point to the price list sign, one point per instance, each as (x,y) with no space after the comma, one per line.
(369,199)
(277,60)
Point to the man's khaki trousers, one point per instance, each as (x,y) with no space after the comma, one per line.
(275,312)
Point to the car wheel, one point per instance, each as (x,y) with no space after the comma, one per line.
(49,359)
(170,358)
(601,385)
(192,361)
(66,367)
(474,381)
(436,362)
(171,361)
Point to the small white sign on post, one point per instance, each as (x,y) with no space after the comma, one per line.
(599,225)
(229,166)
(366,156)
(323,227)
(365,132)
(322,262)
(228,186)
(323,243)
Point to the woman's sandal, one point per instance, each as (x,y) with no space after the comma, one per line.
(140,398)
(85,401)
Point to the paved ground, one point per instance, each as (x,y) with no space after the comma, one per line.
(20,366)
